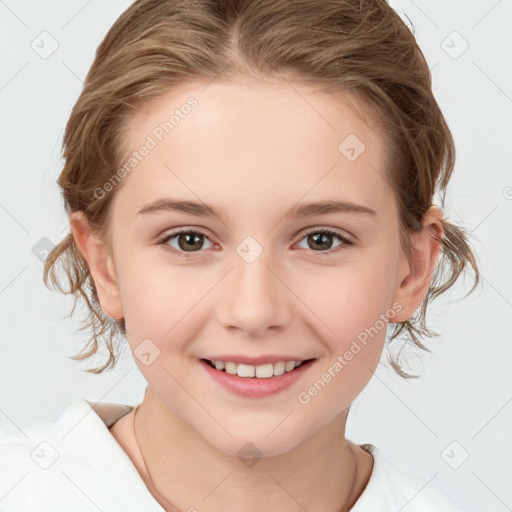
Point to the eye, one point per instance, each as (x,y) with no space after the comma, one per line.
(188,240)
(320,239)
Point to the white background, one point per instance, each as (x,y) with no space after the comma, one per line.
(465,392)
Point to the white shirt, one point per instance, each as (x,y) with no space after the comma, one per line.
(76,464)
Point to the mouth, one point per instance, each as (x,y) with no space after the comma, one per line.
(263,371)
(256,382)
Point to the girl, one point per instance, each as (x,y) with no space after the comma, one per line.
(250,188)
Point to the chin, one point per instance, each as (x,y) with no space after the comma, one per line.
(253,443)
(247,450)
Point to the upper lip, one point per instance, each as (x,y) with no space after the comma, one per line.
(254,361)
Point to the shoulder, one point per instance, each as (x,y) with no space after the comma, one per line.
(31,458)
(22,448)
(392,487)
(73,463)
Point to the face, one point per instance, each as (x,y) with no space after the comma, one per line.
(259,279)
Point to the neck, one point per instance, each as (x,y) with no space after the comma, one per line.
(184,472)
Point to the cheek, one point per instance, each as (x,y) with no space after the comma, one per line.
(350,303)
(159,298)
(352,296)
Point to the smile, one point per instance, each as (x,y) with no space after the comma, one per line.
(255,382)
(263,371)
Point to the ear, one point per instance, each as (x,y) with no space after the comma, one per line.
(99,258)
(418,269)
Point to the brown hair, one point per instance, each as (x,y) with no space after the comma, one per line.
(357,46)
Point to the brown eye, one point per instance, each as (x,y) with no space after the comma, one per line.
(187,241)
(323,239)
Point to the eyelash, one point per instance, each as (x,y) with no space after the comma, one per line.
(324,231)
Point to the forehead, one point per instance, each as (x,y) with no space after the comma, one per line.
(248,145)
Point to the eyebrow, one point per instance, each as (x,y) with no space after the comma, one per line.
(297,211)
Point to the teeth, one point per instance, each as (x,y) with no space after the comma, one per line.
(263,371)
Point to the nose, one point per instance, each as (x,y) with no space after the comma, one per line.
(254,298)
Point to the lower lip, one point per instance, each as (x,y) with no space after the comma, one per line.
(253,387)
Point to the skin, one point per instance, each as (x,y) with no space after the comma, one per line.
(253,149)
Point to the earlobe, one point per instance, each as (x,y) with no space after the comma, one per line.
(100,261)
(425,248)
